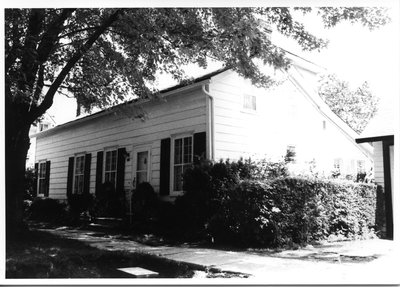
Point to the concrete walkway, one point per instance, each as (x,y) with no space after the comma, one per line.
(355,262)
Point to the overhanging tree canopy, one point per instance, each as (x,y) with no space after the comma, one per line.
(100,56)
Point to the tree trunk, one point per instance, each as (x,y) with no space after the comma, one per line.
(16,148)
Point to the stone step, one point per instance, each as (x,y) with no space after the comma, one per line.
(139,272)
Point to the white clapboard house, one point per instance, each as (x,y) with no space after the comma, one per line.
(218,116)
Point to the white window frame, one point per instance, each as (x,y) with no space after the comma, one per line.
(39,178)
(249,109)
(338,164)
(136,150)
(174,192)
(106,150)
(74,173)
(363,165)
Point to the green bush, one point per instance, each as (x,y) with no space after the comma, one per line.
(144,202)
(48,210)
(30,176)
(250,203)
(107,202)
(294,210)
(79,203)
(244,216)
(206,186)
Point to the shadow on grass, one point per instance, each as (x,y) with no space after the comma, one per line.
(35,254)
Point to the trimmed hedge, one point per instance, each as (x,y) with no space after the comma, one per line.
(232,203)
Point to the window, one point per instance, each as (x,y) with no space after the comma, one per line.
(183,158)
(43,127)
(249,102)
(42,178)
(79,174)
(142,166)
(290,153)
(110,168)
(337,164)
(361,167)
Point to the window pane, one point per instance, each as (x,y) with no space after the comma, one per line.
(142,161)
(108,161)
(42,169)
(178,151)
(187,150)
(41,186)
(79,164)
(78,184)
(178,178)
(253,103)
(249,102)
(141,177)
(114,160)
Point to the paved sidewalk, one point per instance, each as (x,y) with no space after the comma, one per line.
(355,262)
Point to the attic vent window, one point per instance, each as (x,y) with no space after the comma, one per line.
(249,102)
(43,127)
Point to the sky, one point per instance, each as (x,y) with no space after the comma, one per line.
(354,53)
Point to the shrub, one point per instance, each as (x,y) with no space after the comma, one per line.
(144,201)
(29,184)
(79,203)
(244,216)
(107,202)
(207,185)
(48,210)
(250,203)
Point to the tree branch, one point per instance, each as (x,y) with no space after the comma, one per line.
(27,76)
(48,99)
(51,35)
(77,31)
(39,85)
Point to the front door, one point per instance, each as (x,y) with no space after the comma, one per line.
(141,165)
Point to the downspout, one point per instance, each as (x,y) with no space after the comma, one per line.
(211,121)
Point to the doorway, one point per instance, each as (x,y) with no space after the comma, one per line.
(141,165)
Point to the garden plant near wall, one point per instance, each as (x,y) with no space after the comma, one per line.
(249,204)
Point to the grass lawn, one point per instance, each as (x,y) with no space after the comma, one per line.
(38,254)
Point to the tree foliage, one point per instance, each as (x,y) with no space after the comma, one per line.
(354,106)
(102,55)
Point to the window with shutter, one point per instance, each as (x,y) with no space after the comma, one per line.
(41,178)
(79,174)
(110,166)
(183,159)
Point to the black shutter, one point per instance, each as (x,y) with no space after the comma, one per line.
(47,179)
(199,146)
(86,175)
(99,171)
(120,169)
(165,166)
(70,178)
(36,179)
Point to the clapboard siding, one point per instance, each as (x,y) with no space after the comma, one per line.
(284,117)
(181,113)
(135,127)
(378,163)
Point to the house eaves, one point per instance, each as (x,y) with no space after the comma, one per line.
(162,94)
